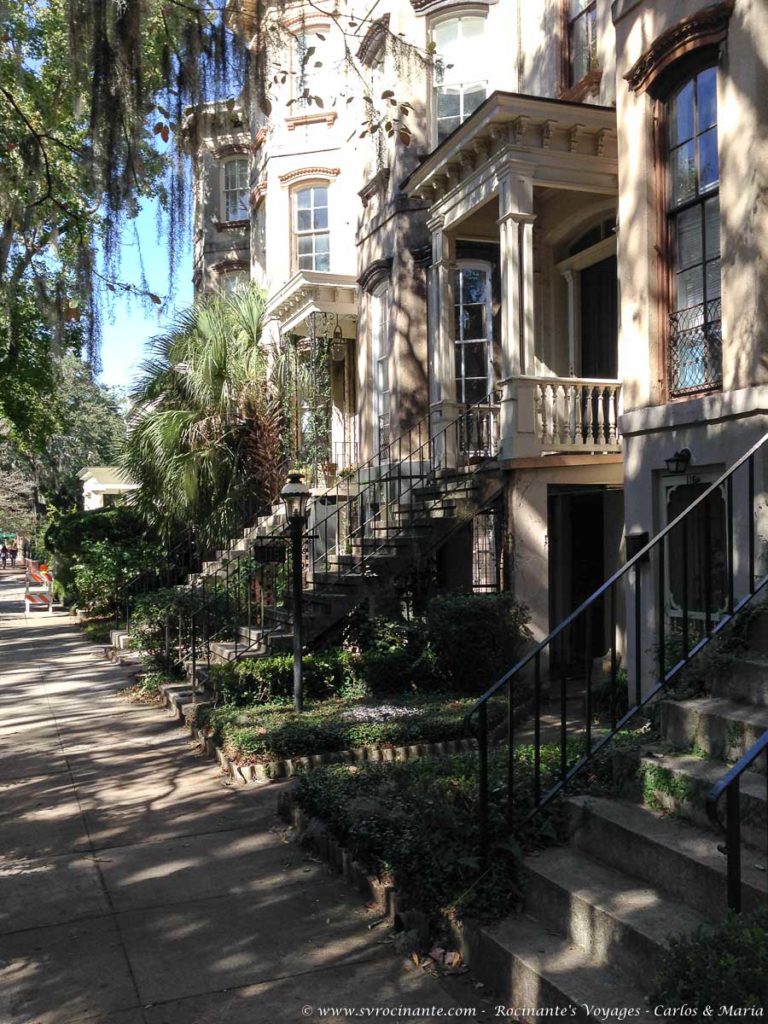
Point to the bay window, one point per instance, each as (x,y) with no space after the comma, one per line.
(234,190)
(310,228)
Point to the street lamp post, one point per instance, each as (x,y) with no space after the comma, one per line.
(295,495)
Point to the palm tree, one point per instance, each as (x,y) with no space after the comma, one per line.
(205,435)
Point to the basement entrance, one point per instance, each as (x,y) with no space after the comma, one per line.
(585,525)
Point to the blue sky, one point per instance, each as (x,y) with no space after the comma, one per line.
(128,324)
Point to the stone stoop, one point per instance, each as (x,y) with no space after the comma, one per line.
(598,911)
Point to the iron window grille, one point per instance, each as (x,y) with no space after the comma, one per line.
(695,349)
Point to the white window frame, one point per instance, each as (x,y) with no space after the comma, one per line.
(452,77)
(381,364)
(242,210)
(301,42)
(313,233)
(488,340)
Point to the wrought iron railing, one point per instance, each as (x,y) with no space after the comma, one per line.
(730,787)
(563,664)
(696,349)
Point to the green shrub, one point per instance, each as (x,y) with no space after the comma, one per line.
(101,570)
(274,731)
(418,822)
(718,965)
(474,639)
(260,680)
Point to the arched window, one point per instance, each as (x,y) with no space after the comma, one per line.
(473,331)
(310,228)
(460,87)
(693,221)
(234,189)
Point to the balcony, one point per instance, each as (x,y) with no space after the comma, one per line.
(565,414)
(696,349)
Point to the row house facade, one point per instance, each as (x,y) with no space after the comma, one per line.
(572,243)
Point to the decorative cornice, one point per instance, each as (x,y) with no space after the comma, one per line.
(377,183)
(373,40)
(224,266)
(706,27)
(259,139)
(327,116)
(258,192)
(231,149)
(430,6)
(422,255)
(376,272)
(231,225)
(310,172)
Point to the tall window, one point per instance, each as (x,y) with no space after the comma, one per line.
(473,332)
(235,189)
(582,38)
(695,339)
(380,353)
(311,228)
(459,58)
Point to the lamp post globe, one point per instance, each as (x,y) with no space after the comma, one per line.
(295,495)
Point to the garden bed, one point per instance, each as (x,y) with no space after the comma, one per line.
(272,741)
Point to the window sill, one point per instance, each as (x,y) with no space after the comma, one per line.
(304,119)
(587,85)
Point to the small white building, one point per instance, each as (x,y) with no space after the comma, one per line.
(103,486)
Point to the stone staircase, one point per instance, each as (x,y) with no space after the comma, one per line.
(643,865)
(407,535)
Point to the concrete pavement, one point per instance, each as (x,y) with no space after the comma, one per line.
(137,887)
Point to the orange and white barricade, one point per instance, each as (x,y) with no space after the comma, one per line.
(39,590)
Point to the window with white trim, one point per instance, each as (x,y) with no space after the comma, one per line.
(459,55)
(473,332)
(310,228)
(234,189)
(380,353)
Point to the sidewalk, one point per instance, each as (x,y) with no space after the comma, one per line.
(136,887)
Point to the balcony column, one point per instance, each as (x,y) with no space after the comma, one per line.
(515,222)
(442,370)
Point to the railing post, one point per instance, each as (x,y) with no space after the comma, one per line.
(483,782)
(733,844)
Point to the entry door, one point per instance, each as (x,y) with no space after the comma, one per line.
(600,320)
(473,332)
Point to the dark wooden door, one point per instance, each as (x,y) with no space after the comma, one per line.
(600,320)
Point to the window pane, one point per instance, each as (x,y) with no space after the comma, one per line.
(689,239)
(445,126)
(577,6)
(473,285)
(446,35)
(473,322)
(690,288)
(581,62)
(305,244)
(320,195)
(681,115)
(320,219)
(448,101)
(321,243)
(304,198)
(707,87)
(713,280)
(476,360)
(712,227)
(683,174)
(303,220)
(322,261)
(709,171)
(473,97)
(475,390)
(306,262)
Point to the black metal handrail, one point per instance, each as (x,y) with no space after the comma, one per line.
(707,603)
(729,786)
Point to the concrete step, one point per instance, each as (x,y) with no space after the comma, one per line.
(718,727)
(680,784)
(617,920)
(534,969)
(678,857)
(745,682)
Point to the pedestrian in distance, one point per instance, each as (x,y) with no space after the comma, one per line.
(3,555)
(13,551)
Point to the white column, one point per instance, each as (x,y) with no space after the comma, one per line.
(442,373)
(574,314)
(517,331)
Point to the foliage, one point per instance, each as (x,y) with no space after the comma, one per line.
(205,440)
(720,965)
(272,731)
(262,680)
(101,571)
(417,821)
(475,638)
(70,535)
